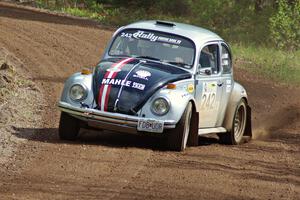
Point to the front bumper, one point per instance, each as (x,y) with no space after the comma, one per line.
(107,120)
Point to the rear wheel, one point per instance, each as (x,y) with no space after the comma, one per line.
(68,127)
(235,136)
(177,139)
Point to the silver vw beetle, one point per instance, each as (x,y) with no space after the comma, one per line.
(161,78)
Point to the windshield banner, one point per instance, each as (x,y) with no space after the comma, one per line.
(153,37)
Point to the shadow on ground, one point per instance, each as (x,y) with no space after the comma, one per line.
(104,138)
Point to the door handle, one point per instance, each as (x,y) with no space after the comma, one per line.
(220,84)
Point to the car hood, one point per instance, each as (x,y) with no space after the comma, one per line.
(124,85)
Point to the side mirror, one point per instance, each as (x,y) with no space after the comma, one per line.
(205,71)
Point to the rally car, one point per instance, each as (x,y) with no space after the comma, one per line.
(160,78)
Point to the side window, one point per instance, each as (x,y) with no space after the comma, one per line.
(226,60)
(209,58)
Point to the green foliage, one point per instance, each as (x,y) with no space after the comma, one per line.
(285,25)
(82,13)
(272,63)
(234,20)
(250,25)
(174,8)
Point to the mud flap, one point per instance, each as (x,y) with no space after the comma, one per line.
(248,128)
(193,136)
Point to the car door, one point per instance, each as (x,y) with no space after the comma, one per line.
(226,78)
(209,85)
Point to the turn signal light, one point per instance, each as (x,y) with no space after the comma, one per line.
(171,86)
(86,71)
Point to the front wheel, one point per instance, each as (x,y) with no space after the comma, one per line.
(68,127)
(177,139)
(235,136)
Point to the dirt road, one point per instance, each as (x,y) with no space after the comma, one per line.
(118,166)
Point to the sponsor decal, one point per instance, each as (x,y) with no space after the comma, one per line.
(138,86)
(190,88)
(104,90)
(228,81)
(228,88)
(209,94)
(185,95)
(228,85)
(150,36)
(142,74)
(210,86)
(113,69)
(108,81)
(124,82)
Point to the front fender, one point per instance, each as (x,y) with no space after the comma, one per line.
(86,82)
(178,99)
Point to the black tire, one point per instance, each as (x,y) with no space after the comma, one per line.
(235,136)
(177,139)
(68,127)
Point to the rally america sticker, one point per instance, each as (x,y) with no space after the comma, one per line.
(150,36)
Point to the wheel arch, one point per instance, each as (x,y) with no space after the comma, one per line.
(238,93)
(80,79)
(193,135)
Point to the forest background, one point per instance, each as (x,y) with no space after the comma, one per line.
(264,34)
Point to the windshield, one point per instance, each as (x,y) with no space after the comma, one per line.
(154,45)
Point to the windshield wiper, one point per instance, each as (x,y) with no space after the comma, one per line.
(148,57)
(181,64)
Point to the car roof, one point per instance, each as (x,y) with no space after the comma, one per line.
(197,34)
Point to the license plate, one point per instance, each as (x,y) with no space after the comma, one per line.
(150,125)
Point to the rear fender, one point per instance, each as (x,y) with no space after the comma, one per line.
(237,94)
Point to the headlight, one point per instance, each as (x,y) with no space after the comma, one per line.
(160,106)
(77,93)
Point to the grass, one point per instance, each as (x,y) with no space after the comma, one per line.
(84,13)
(274,64)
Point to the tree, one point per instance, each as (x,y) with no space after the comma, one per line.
(285,25)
